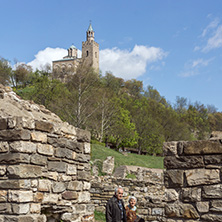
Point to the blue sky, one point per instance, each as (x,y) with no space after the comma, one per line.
(173,45)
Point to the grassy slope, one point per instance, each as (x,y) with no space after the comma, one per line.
(101,152)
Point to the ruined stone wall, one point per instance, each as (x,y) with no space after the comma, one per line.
(44,165)
(193,180)
(148,189)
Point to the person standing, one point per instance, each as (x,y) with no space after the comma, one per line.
(115,210)
(131,211)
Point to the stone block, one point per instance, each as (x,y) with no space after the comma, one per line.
(28,123)
(14,134)
(4,147)
(202,207)
(75,185)
(45,149)
(65,153)
(212,159)
(173,178)
(180,210)
(3,195)
(20,196)
(68,129)
(65,178)
(191,194)
(38,197)
(38,160)
(172,162)
(3,124)
(215,135)
(70,195)
(25,171)
(25,218)
(83,135)
(216,206)
(57,166)
(211,217)
(15,184)
(51,175)
(57,142)
(87,148)
(83,175)
(203,147)
(171,195)
(71,169)
(212,191)
(75,146)
(23,147)
(157,211)
(86,185)
(71,217)
(83,158)
(108,165)
(84,197)
(44,185)
(5,208)
(170,148)
(12,122)
(49,198)
(43,126)
(80,208)
(14,158)
(20,208)
(58,187)
(35,208)
(2,170)
(39,137)
(202,176)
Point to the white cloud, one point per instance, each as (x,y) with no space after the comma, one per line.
(212,25)
(193,68)
(212,36)
(129,64)
(215,41)
(201,62)
(46,56)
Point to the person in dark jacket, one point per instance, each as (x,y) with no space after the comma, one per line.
(115,209)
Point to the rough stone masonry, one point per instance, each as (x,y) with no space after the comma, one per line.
(44,165)
(193,180)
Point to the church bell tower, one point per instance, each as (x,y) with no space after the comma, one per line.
(90,50)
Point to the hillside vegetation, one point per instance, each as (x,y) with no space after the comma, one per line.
(99,152)
(116,111)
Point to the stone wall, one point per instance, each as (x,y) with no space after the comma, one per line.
(44,165)
(193,180)
(148,188)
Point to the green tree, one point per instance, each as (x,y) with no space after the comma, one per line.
(82,101)
(215,121)
(122,131)
(21,75)
(5,71)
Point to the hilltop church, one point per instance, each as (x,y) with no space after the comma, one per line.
(90,55)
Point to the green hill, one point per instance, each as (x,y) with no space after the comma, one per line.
(101,153)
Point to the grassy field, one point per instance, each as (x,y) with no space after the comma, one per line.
(101,152)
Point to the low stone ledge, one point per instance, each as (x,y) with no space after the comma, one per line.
(203,147)
(183,162)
